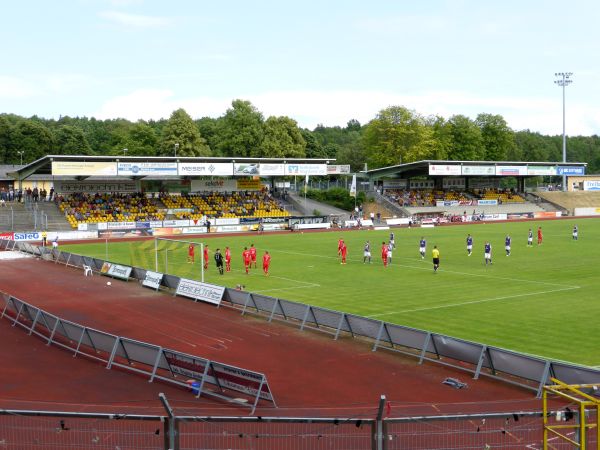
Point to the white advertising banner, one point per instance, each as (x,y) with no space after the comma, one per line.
(120,225)
(206,169)
(339,169)
(479,170)
(444,169)
(306,169)
(148,168)
(92,187)
(271,169)
(591,185)
(511,171)
(213,185)
(79,168)
(245,169)
(205,292)
(541,170)
(116,271)
(152,279)
(227,221)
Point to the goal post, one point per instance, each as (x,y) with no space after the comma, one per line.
(176,252)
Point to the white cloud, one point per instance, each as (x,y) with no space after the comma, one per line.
(331,108)
(13,87)
(136,20)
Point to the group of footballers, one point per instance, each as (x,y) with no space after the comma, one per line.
(387,248)
(249,256)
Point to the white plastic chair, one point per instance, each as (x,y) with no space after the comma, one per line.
(87,270)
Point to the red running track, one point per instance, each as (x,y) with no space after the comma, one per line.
(309,373)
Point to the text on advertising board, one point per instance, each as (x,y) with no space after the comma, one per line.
(205,292)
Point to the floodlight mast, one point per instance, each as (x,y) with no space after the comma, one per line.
(564,79)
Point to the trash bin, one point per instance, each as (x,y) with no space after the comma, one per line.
(194,386)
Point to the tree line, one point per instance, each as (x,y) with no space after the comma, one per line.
(396,135)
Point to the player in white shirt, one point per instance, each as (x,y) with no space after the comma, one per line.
(367,253)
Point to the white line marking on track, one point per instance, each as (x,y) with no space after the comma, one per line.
(485,300)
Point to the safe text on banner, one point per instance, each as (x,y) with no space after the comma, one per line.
(205,292)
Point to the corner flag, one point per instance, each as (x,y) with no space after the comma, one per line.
(353,186)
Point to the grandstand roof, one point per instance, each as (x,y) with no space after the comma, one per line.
(43,166)
(419,168)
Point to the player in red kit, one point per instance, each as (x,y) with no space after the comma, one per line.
(344,252)
(227,259)
(246,258)
(266,263)
(253,255)
(191,254)
(384,253)
(540,237)
(205,256)
(340,245)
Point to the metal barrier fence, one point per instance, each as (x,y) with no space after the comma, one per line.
(150,360)
(60,430)
(481,360)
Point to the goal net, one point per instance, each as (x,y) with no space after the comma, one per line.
(171,256)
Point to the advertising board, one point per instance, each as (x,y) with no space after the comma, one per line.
(92,187)
(79,168)
(306,169)
(152,279)
(245,169)
(147,168)
(338,169)
(248,184)
(205,169)
(541,170)
(479,170)
(116,271)
(444,169)
(271,169)
(570,170)
(591,185)
(511,171)
(219,185)
(205,292)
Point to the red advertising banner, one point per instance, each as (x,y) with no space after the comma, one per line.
(10,236)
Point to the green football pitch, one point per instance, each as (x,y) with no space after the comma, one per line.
(542,300)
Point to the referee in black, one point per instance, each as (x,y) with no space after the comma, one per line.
(219,260)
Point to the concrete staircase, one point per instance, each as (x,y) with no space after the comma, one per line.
(54,219)
(24,217)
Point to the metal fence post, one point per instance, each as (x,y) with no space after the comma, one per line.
(378,436)
(171,437)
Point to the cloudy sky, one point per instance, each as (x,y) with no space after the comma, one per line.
(319,62)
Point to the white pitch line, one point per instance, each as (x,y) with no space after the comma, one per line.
(485,300)
(289,288)
(440,270)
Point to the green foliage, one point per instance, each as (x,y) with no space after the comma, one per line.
(467,142)
(397,135)
(240,131)
(282,139)
(180,131)
(338,197)
(70,140)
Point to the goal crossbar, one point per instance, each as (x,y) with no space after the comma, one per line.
(179,241)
